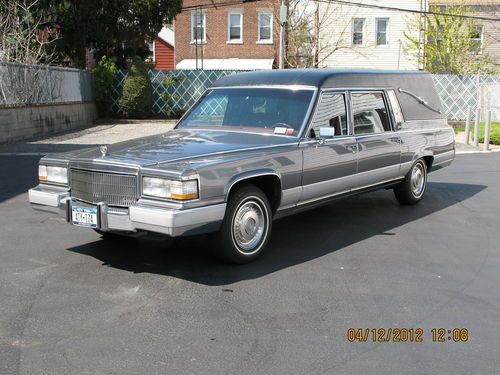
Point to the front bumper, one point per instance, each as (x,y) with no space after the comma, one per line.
(173,222)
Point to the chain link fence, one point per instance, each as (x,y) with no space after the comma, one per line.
(35,84)
(459,92)
(189,86)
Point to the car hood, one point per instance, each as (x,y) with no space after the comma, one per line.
(178,145)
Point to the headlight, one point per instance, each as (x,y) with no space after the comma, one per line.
(49,173)
(163,188)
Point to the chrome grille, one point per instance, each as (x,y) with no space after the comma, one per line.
(112,188)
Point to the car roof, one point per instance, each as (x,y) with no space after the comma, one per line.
(321,78)
(412,88)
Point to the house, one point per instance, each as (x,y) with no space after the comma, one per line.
(365,37)
(243,36)
(487,33)
(163,49)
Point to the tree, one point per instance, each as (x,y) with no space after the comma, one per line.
(316,31)
(24,37)
(104,78)
(450,44)
(115,28)
(26,44)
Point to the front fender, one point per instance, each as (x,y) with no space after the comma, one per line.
(247,175)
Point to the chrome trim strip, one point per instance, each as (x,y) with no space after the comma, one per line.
(269,86)
(343,180)
(353,136)
(351,190)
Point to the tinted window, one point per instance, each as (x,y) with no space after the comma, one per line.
(370,113)
(331,111)
(257,108)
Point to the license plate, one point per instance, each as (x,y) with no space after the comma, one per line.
(84,216)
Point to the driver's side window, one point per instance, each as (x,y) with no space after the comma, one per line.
(330,112)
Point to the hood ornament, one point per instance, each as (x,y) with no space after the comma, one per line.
(104,150)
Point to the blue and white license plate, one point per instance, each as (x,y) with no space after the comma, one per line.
(84,216)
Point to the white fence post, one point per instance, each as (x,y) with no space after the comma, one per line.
(487,130)
(477,124)
(467,126)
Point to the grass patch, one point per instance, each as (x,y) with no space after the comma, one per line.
(494,134)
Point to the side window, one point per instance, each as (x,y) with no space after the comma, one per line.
(331,111)
(396,109)
(370,113)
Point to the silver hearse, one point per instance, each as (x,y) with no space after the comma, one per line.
(255,147)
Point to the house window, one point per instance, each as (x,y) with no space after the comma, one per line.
(358,29)
(265,27)
(198,26)
(235,27)
(382,30)
(476,40)
(151,50)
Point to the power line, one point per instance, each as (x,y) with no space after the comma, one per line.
(421,12)
(216,5)
(350,3)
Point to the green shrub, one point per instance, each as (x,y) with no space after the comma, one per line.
(137,95)
(168,82)
(494,133)
(104,77)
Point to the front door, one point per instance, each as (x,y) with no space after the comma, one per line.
(329,164)
(379,147)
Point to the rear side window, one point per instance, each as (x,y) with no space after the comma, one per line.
(370,113)
(331,112)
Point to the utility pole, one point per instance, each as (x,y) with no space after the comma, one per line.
(283,20)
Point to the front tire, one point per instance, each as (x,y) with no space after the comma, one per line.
(411,190)
(246,227)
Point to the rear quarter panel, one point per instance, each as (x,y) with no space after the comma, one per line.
(421,138)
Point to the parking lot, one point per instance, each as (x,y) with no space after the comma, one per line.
(73,303)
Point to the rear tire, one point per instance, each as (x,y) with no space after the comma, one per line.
(246,227)
(411,190)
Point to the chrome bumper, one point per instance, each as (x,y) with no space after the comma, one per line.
(172,222)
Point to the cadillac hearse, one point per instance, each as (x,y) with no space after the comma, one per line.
(255,147)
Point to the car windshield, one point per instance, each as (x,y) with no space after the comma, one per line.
(282,111)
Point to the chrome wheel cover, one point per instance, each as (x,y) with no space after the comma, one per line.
(249,226)
(418,180)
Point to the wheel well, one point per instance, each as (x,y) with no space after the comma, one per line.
(269,184)
(428,162)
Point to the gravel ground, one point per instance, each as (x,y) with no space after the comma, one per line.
(111,131)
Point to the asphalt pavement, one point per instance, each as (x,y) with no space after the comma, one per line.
(73,303)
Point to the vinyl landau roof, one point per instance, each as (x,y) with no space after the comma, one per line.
(321,78)
(414,85)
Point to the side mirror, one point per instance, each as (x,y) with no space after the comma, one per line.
(399,126)
(326,132)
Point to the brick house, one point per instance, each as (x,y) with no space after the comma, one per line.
(240,37)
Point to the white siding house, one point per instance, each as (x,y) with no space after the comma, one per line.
(353,36)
